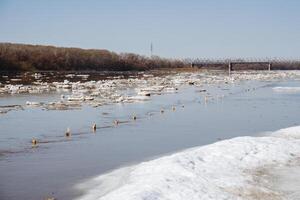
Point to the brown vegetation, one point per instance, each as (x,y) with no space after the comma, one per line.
(21,57)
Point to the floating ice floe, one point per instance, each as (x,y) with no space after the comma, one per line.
(3,90)
(70,75)
(95,94)
(75,98)
(111,90)
(144,93)
(15,79)
(229,169)
(147,91)
(61,105)
(139,98)
(88,98)
(33,103)
(37,75)
(131,99)
(170,90)
(286,89)
(83,76)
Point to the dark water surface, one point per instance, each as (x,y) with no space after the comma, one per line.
(54,167)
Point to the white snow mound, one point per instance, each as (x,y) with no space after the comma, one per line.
(223,170)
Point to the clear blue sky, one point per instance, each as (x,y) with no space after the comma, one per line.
(177,28)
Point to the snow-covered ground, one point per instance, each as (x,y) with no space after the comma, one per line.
(238,168)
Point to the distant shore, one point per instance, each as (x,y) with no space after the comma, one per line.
(37,58)
(24,57)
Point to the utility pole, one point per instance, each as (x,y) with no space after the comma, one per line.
(229,68)
(151,49)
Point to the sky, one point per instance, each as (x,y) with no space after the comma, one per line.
(177,28)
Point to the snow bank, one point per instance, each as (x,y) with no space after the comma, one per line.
(223,170)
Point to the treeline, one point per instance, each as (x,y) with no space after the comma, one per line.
(21,57)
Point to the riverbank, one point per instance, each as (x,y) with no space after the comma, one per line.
(230,169)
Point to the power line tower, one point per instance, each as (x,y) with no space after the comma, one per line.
(151,49)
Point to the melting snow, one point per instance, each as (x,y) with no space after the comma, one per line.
(223,170)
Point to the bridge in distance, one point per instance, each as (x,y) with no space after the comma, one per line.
(247,64)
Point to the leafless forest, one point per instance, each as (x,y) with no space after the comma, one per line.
(21,57)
